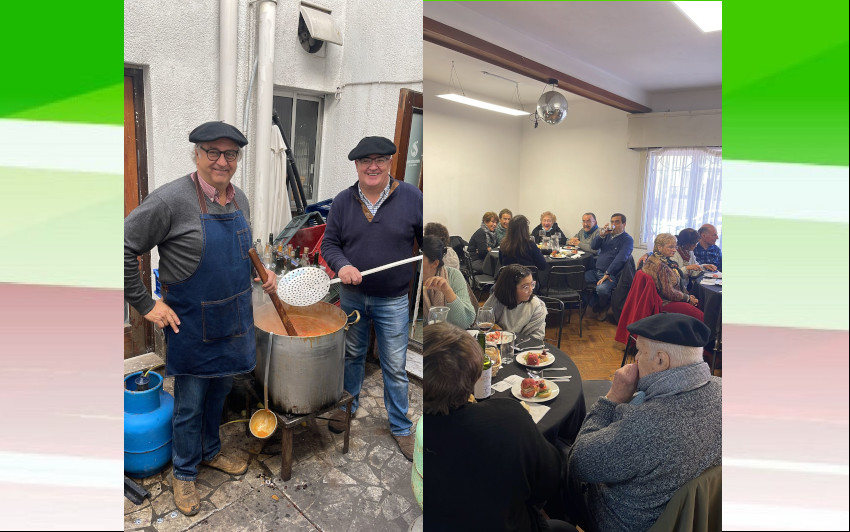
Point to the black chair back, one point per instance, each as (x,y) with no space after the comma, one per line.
(566,283)
(554,306)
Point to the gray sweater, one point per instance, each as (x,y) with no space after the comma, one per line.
(635,456)
(169,218)
(527,320)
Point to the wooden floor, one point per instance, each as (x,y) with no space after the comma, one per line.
(595,353)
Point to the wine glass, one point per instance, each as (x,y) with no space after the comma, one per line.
(485,319)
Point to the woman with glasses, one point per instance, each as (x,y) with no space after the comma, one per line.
(548,224)
(514,304)
(482,241)
(444,286)
(670,282)
(518,247)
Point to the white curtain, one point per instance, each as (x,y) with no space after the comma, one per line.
(682,190)
(271,210)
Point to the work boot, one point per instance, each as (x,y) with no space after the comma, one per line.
(337,422)
(228,464)
(186,497)
(405,443)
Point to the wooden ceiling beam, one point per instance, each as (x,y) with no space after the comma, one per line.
(454,39)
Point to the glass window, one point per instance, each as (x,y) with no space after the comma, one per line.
(682,189)
(301,118)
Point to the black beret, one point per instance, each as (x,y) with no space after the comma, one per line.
(372,145)
(672,328)
(217,130)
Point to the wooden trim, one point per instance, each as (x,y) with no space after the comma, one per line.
(409,102)
(454,39)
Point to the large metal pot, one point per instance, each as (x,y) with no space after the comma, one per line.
(305,372)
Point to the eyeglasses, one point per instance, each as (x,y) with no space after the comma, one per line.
(213,154)
(380,161)
(528,287)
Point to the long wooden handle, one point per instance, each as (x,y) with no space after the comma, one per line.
(384,267)
(278,304)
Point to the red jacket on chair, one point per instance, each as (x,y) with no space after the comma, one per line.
(643,301)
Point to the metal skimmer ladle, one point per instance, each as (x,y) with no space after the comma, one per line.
(264,422)
(305,286)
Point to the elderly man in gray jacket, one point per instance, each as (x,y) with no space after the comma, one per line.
(658,427)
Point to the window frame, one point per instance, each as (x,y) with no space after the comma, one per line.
(313,96)
(645,239)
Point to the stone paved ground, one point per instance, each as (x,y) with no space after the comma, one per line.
(367,489)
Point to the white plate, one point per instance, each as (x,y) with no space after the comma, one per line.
(490,338)
(515,389)
(521,358)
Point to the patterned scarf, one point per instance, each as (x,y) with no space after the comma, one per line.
(491,236)
(686,255)
(434,298)
(673,266)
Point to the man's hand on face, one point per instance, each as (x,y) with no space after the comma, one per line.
(350,275)
(162,316)
(624,384)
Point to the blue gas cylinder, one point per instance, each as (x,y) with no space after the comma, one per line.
(147,426)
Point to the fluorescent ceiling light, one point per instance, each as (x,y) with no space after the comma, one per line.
(707,15)
(483,105)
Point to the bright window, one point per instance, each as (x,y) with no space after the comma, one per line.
(682,189)
(301,117)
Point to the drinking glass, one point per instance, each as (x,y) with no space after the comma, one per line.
(506,348)
(485,319)
(437,315)
(542,233)
(557,241)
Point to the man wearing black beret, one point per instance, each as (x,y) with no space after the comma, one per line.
(199,223)
(658,428)
(372,223)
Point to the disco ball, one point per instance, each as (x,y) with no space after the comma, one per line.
(552,107)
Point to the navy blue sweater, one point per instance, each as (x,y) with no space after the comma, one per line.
(352,239)
(614,252)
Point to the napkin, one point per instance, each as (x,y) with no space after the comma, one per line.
(536,410)
(507,383)
(708,281)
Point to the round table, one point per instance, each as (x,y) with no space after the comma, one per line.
(492,264)
(710,302)
(567,410)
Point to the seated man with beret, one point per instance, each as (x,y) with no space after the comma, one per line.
(658,428)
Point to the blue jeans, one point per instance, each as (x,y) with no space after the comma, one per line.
(198,403)
(389,315)
(601,297)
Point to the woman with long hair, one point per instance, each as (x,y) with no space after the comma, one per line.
(444,286)
(518,248)
(514,304)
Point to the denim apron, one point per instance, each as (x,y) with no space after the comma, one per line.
(216,335)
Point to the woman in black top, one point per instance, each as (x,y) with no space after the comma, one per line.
(491,448)
(518,247)
(548,224)
(482,240)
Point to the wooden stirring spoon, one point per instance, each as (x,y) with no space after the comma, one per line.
(278,304)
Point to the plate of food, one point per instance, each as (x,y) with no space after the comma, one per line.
(538,358)
(535,390)
(561,255)
(499,337)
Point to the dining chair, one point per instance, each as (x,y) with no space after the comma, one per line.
(566,283)
(480,281)
(643,300)
(554,306)
(696,506)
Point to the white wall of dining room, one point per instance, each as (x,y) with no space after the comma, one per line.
(481,161)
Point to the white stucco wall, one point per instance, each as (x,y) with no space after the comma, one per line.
(176,43)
